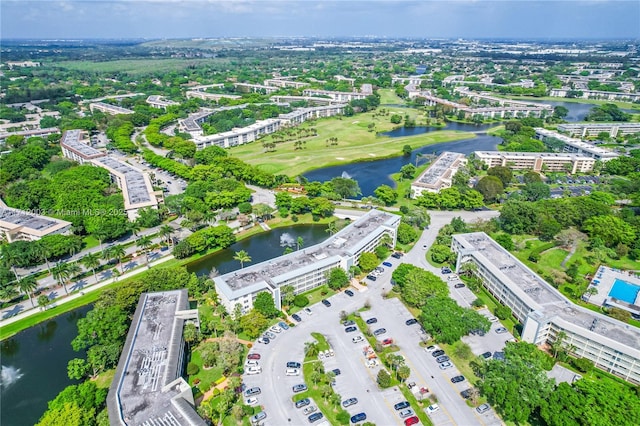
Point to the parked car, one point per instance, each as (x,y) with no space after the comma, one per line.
(501,330)
(349,402)
(357,418)
(437,353)
(254,356)
(253,370)
(442,359)
(388,341)
(372,320)
(276,329)
(299,388)
(483,408)
(459,285)
(466,394)
(457,379)
(348,293)
(292,372)
(315,417)
(270,335)
(296,317)
(396,255)
(432,348)
(257,418)
(401,405)
(493,319)
(486,355)
(303,402)
(308,311)
(372,277)
(444,270)
(387,264)
(347,323)
(432,408)
(252,391)
(411,321)
(251,401)
(357,339)
(264,340)
(293,364)
(283,325)
(326,303)
(445,365)
(411,421)
(310,409)
(336,371)
(406,413)
(379,331)
(350,329)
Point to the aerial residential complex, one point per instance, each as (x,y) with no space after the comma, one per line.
(148,388)
(159,102)
(594,129)
(336,96)
(577,146)
(544,312)
(30,133)
(22,225)
(109,109)
(597,94)
(305,269)
(538,161)
(136,187)
(239,136)
(439,175)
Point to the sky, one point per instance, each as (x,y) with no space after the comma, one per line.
(541,19)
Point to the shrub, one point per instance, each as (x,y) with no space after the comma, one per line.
(343,417)
(502,312)
(294,218)
(249,345)
(205,386)
(534,257)
(383,379)
(477,303)
(300,301)
(192,369)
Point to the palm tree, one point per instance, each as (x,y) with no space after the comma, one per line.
(91,261)
(118,252)
(61,273)
(27,285)
(166,231)
(242,256)
(144,243)
(299,242)
(331,228)
(44,252)
(134,227)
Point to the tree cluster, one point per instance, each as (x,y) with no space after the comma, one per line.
(453,198)
(205,239)
(418,285)
(447,321)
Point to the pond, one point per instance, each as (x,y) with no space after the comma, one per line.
(34,367)
(577,110)
(260,247)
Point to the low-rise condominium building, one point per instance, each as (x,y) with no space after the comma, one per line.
(538,161)
(573,145)
(439,175)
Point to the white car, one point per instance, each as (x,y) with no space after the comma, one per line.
(492,319)
(432,408)
(446,365)
(308,311)
(275,329)
(253,370)
(406,413)
(251,401)
(331,353)
(431,348)
(292,372)
(251,363)
(357,339)
(372,363)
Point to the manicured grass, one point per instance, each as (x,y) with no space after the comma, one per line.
(461,364)
(90,241)
(105,378)
(137,66)
(355,142)
(388,96)
(418,406)
(315,295)
(323,345)
(206,376)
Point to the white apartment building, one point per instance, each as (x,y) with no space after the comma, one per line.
(594,129)
(305,269)
(209,96)
(597,94)
(301,115)
(611,345)
(261,88)
(576,145)
(30,133)
(439,175)
(336,96)
(160,102)
(282,82)
(109,109)
(240,135)
(23,225)
(311,100)
(74,149)
(538,161)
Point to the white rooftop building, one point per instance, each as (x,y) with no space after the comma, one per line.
(576,145)
(439,175)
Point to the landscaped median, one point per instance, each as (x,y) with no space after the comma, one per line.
(319,384)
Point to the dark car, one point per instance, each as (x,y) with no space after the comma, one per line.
(264,340)
(498,356)
(293,364)
(411,321)
(459,285)
(296,317)
(486,355)
(442,358)
(303,403)
(253,356)
(387,264)
(315,417)
(299,388)
(396,255)
(379,331)
(401,405)
(437,353)
(457,379)
(326,303)
(350,329)
(349,293)
(336,371)
(466,394)
(445,270)
(360,417)
(347,323)
(372,277)
(372,320)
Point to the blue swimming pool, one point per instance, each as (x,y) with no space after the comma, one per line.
(624,291)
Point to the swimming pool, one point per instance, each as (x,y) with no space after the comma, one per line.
(624,291)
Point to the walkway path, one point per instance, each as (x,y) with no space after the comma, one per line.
(574,247)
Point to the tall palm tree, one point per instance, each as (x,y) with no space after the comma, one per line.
(134,227)
(118,252)
(299,242)
(144,243)
(28,285)
(44,252)
(242,256)
(91,261)
(331,228)
(61,274)
(166,231)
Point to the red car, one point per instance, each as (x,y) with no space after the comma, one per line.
(253,356)
(411,421)
(387,341)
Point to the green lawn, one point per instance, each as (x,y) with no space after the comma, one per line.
(206,376)
(315,295)
(137,66)
(388,96)
(90,241)
(105,378)
(355,143)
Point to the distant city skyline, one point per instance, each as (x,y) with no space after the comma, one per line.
(542,19)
